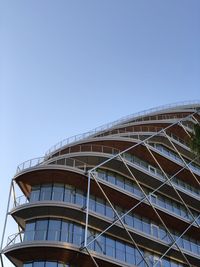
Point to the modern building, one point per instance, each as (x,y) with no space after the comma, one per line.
(126,194)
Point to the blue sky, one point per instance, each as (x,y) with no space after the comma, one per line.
(68,66)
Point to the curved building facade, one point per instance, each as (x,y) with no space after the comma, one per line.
(127,194)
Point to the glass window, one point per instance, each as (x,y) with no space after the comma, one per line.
(166,263)
(138,258)
(120,212)
(38,264)
(186,244)
(54,230)
(163,234)
(69,194)
(137,191)
(179,241)
(111,178)
(28,264)
(65,231)
(176,208)
(29,231)
(45,192)
(161,202)
(109,211)
(91,236)
(120,181)
(110,247)
(146,226)
(129,220)
(80,199)
(155,230)
(136,160)
(130,254)
(168,205)
(41,229)
(92,203)
(174,264)
(35,194)
(194,247)
(128,157)
(129,186)
(157,261)
(100,244)
(51,264)
(77,235)
(137,222)
(58,192)
(120,251)
(101,174)
(100,206)
(63,265)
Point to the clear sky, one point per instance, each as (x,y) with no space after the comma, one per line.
(67,66)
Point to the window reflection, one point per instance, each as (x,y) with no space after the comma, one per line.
(74,233)
(68,193)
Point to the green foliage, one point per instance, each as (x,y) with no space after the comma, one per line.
(195,140)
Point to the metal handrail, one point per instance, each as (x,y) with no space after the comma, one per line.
(57,161)
(41,160)
(20,200)
(15,238)
(91,148)
(29,164)
(107,126)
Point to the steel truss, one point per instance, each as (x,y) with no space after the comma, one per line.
(92,175)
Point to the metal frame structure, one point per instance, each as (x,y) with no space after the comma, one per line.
(146,197)
(91,176)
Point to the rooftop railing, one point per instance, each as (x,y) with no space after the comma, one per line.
(125,119)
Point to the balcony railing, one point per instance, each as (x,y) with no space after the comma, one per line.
(54,161)
(73,163)
(65,161)
(29,164)
(15,238)
(90,148)
(108,126)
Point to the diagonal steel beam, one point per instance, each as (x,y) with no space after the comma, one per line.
(189,211)
(180,123)
(187,166)
(119,218)
(150,203)
(142,141)
(135,206)
(179,238)
(94,261)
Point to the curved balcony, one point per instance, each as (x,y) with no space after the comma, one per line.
(175,158)
(121,121)
(55,239)
(129,197)
(40,162)
(35,162)
(63,160)
(101,214)
(79,148)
